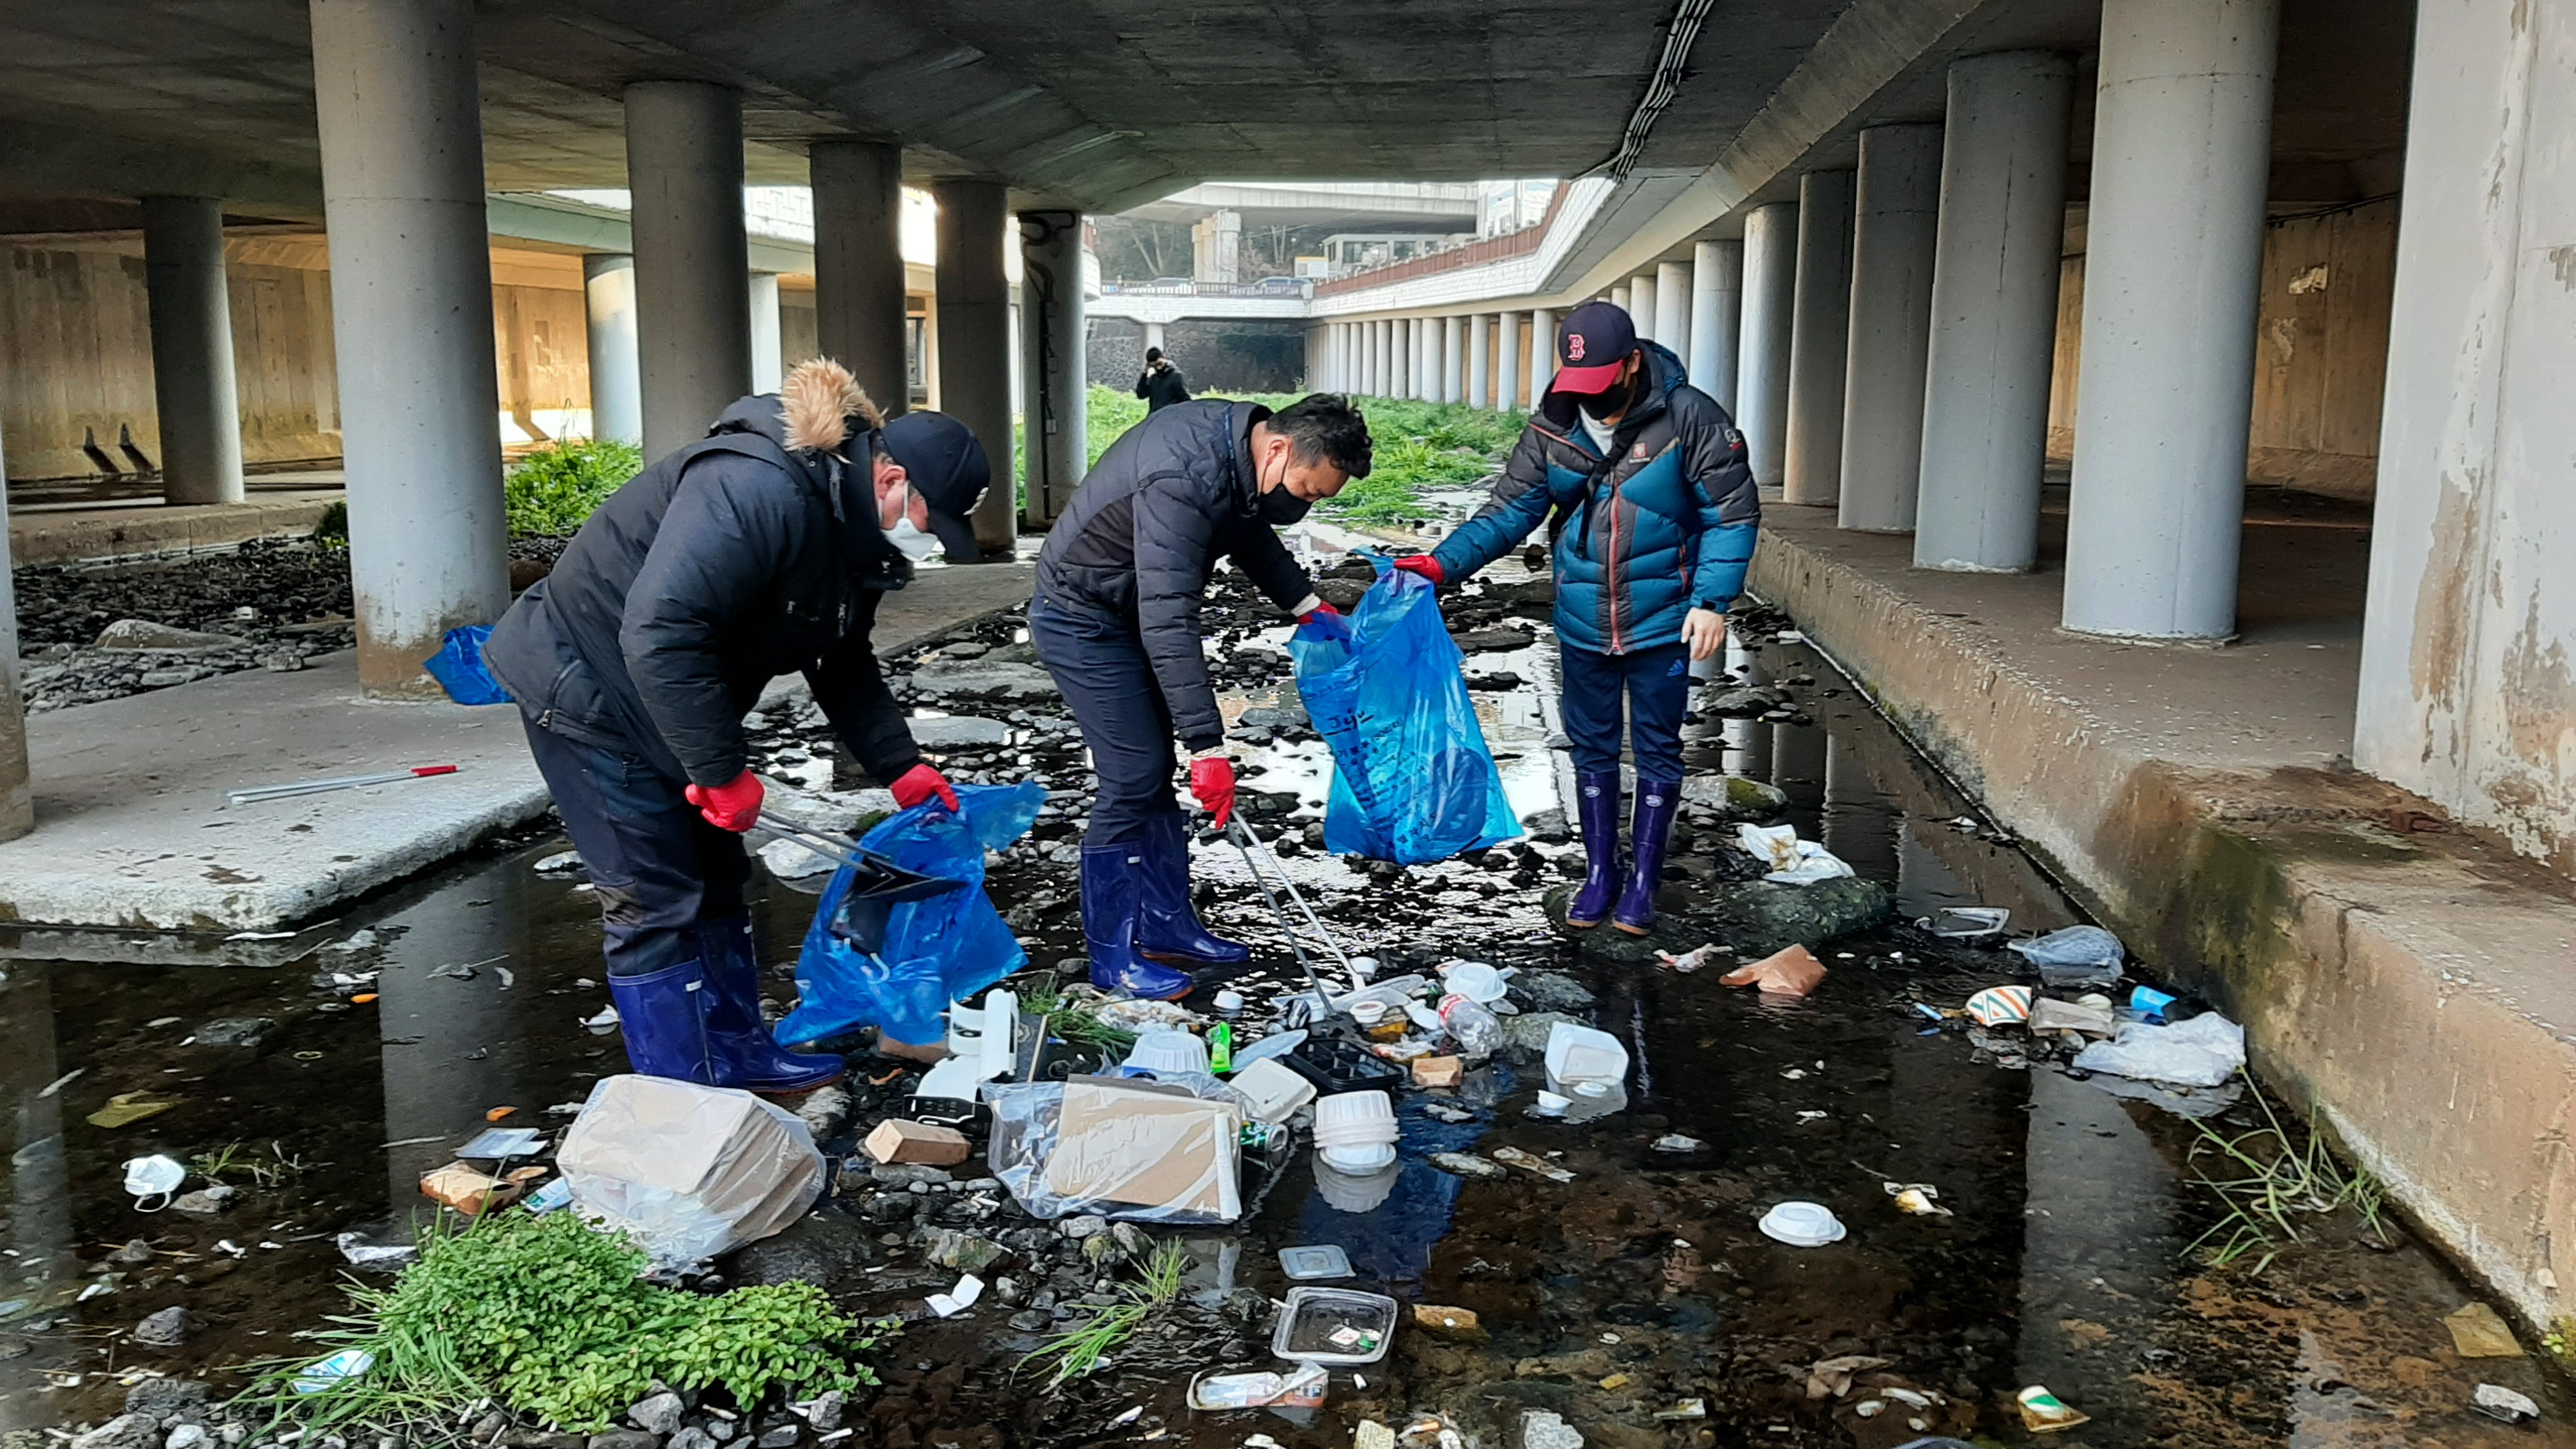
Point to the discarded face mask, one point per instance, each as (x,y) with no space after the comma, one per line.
(154,1176)
(1692,960)
(1793,972)
(2000,1006)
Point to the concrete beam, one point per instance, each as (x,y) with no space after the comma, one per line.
(192,349)
(1896,228)
(858,265)
(1820,333)
(1994,312)
(1762,358)
(2182,129)
(411,300)
(975,338)
(1717,308)
(693,331)
(1055,408)
(616,387)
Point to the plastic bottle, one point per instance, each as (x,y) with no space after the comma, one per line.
(1470,1024)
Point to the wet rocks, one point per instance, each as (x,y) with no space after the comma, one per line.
(242,1033)
(959,731)
(205,1202)
(145,634)
(656,1413)
(1545,1429)
(1482,641)
(1735,797)
(981,679)
(1754,917)
(1551,991)
(623,1439)
(1343,594)
(1741,702)
(964,1252)
(165,1329)
(188,1436)
(162,1400)
(125,1431)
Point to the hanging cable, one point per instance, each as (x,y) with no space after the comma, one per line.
(1661,87)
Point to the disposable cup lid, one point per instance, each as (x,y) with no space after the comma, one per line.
(1476,981)
(1802,1224)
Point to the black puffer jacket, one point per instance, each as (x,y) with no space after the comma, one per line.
(1170,497)
(726,564)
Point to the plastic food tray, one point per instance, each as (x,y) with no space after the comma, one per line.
(1335,1326)
(1324,1261)
(1336,1066)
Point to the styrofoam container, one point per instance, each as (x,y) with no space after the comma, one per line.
(1168,1051)
(1355,1119)
(1274,1091)
(1477,982)
(1802,1224)
(1581,1053)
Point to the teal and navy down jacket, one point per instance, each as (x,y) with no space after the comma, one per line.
(1661,526)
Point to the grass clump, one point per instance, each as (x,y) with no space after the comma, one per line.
(551,1317)
(1080,1352)
(553,490)
(1070,1019)
(2272,1184)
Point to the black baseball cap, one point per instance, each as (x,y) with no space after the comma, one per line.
(948,469)
(1591,344)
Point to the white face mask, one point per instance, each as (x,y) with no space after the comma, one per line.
(916,545)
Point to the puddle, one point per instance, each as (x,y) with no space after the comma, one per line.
(1641,1282)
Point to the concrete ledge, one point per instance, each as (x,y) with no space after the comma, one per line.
(2413,989)
(40,536)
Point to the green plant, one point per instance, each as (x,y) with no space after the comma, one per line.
(333,526)
(1071,1020)
(551,1317)
(2280,1182)
(1079,1352)
(552,490)
(240,1159)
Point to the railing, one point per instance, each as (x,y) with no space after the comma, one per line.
(1286,287)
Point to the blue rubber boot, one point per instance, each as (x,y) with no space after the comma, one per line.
(1109,904)
(1167,925)
(1598,796)
(1658,801)
(662,1015)
(738,1041)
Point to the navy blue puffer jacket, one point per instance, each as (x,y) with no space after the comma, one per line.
(1661,525)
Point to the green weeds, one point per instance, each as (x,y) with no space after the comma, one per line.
(1080,1352)
(553,490)
(2273,1184)
(241,1160)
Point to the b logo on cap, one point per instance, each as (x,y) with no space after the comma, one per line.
(1574,347)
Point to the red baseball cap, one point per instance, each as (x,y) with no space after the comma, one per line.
(1592,344)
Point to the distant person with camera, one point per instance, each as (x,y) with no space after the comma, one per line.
(1160,384)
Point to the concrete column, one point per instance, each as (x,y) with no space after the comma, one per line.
(1993,337)
(1619,299)
(1897,206)
(975,337)
(1762,356)
(400,123)
(1054,391)
(693,333)
(1426,359)
(1399,357)
(192,350)
(1641,305)
(1542,354)
(616,390)
(1673,308)
(1453,359)
(1509,360)
(2182,137)
(1381,380)
(858,264)
(1820,330)
(1480,362)
(17,801)
(1717,304)
(768,348)
(1153,334)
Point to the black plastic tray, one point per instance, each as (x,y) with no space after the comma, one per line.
(1336,1065)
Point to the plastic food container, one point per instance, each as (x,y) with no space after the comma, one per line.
(1351,1119)
(1274,1091)
(1580,1053)
(1324,1261)
(1277,1044)
(1168,1051)
(1802,1224)
(1339,1066)
(1477,982)
(1334,1326)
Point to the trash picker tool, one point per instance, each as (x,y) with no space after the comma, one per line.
(1245,842)
(254,794)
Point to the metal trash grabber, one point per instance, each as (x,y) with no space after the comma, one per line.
(256,793)
(1245,841)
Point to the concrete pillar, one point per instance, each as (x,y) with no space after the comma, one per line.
(1381,378)
(1619,299)
(1426,359)
(1762,356)
(616,390)
(1509,360)
(400,123)
(1399,357)
(1153,334)
(1820,329)
(1453,359)
(858,265)
(1480,362)
(693,333)
(1717,304)
(768,348)
(192,350)
(1542,354)
(2182,136)
(1054,390)
(1993,339)
(1673,308)
(1641,304)
(1897,206)
(17,801)
(975,337)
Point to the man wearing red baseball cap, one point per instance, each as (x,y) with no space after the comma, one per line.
(1656,513)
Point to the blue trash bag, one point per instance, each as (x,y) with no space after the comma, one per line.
(1412,778)
(934,950)
(458,667)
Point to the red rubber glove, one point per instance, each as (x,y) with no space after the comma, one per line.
(734,806)
(1327,620)
(920,783)
(1212,785)
(1425,565)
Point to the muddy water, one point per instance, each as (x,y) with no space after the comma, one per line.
(1641,1283)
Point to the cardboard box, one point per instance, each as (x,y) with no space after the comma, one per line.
(473,1193)
(1438,1071)
(1143,1145)
(896,1140)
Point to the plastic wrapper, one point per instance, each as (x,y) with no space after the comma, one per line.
(2075,956)
(1413,780)
(2202,1052)
(1145,1152)
(1792,861)
(689,1171)
(458,667)
(927,952)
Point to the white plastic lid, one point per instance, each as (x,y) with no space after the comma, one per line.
(1802,1224)
(1168,1050)
(1360,1160)
(1477,981)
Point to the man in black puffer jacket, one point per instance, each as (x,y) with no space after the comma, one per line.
(761,550)
(1116,621)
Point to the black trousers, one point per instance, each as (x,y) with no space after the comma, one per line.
(1100,665)
(659,868)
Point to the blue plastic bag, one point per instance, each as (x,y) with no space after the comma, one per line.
(458,667)
(1412,778)
(934,951)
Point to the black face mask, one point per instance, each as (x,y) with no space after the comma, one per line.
(1607,402)
(1279,507)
